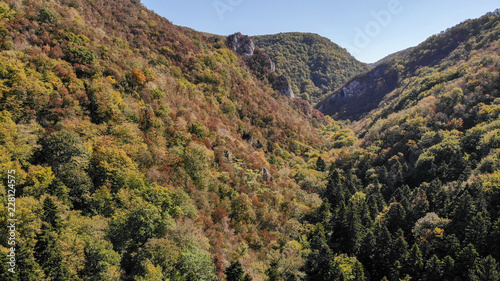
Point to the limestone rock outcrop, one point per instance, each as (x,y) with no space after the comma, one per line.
(259,62)
(241,44)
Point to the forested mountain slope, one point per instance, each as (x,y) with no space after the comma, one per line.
(140,150)
(315,65)
(440,52)
(143,150)
(418,197)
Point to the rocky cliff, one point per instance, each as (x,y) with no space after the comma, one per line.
(259,63)
(281,84)
(361,94)
(241,44)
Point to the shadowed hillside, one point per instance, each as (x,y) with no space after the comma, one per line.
(366,91)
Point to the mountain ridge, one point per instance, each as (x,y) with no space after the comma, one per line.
(391,56)
(426,54)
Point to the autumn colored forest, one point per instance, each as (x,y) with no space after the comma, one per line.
(141,150)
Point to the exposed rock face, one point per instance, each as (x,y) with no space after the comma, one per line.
(272,66)
(284,87)
(260,63)
(350,90)
(266,175)
(360,95)
(337,100)
(241,44)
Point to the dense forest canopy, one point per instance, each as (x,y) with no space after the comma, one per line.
(141,150)
(418,196)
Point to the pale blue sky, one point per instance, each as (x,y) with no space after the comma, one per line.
(368,29)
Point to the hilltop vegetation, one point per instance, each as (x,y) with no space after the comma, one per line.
(315,65)
(391,56)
